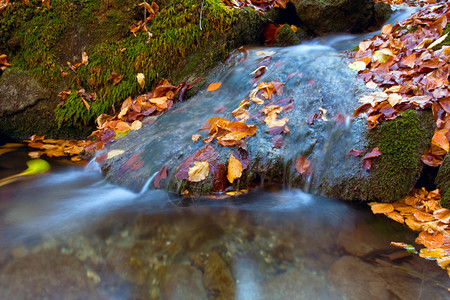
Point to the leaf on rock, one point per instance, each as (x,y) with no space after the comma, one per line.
(114,153)
(162,174)
(213,86)
(219,174)
(432,254)
(440,139)
(199,171)
(302,165)
(382,208)
(195,137)
(234,169)
(431,241)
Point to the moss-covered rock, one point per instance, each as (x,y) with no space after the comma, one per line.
(286,37)
(443,181)
(186,39)
(394,173)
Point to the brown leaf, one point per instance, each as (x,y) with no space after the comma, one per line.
(195,137)
(277,141)
(302,165)
(442,215)
(219,174)
(440,139)
(141,79)
(355,152)
(115,78)
(162,174)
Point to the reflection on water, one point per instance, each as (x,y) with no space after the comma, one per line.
(70,235)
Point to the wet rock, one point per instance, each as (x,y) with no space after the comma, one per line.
(339,15)
(365,285)
(46,275)
(182,282)
(286,37)
(443,181)
(294,284)
(18,91)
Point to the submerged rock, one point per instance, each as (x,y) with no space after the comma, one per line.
(46,275)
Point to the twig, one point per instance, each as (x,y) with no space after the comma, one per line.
(201,13)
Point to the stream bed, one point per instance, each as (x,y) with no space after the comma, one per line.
(68,234)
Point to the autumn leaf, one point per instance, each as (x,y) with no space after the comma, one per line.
(141,79)
(442,215)
(213,86)
(355,152)
(440,139)
(382,208)
(234,169)
(433,253)
(162,174)
(114,153)
(199,171)
(302,165)
(431,241)
(195,137)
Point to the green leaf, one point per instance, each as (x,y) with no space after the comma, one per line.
(36,166)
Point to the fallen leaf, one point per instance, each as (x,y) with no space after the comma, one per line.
(141,79)
(431,241)
(355,152)
(195,137)
(442,215)
(136,125)
(162,174)
(434,253)
(213,86)
(382,208)
(302,165)
(234,169)
(199,171)
(114,153)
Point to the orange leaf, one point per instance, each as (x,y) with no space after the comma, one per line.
(195,137)
(199,171)
(440,140)
(435,253)
(234,169)
(413,224)
(396,216)
(423,216)
(382,208)
(213,86)
(429,240)
(442,215)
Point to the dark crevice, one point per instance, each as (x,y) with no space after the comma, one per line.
(289,16)
(427,178)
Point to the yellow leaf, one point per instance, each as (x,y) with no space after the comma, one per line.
(438,41)
(213,86)
(84,58)
(387,29)
(433,253)
(136,125)
(199,171)
(444,261)
(234,169)
(439,139)
(381,56)
(382,208)
(159,100)
(141,79)
(195,137)
(115,152)
(357,65)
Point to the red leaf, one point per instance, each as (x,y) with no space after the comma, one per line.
(101,158)
(355,152)
(162,174)
(277,141)
(242,156)
(374,153)
(205,153)
(367,164)
(265,61)
(219,174)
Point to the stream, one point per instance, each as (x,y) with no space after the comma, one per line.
(69,234)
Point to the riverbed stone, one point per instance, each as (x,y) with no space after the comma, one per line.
(182,282)
(46,275)
(366,285)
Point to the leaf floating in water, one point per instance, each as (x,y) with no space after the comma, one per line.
(381,208)
(213,86)
(35,166)
(432,253)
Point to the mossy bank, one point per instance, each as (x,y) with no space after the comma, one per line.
(187,38)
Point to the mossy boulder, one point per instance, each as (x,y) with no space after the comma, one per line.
(320,17)
(393,174)
(443,181)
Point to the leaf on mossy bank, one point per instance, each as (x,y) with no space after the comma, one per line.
(367,159)
(141,79)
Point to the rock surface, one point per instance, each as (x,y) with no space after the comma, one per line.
(324,142)
(339,15)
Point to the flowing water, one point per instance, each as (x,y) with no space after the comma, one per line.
(68,234)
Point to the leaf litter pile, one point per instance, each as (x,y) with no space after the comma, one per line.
(409,66)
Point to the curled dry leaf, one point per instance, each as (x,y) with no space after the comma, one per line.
(199,171)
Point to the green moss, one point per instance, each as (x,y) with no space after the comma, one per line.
(286,37)
(401,142)
(446,42)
